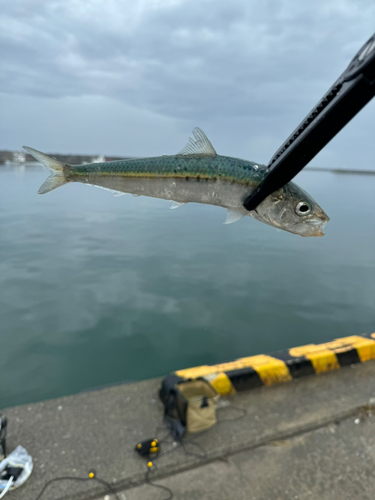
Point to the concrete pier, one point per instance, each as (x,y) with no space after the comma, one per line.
(312,438)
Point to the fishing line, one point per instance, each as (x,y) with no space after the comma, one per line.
(91,476)
(230,405)
(151,466)
(175,433)
(171,432)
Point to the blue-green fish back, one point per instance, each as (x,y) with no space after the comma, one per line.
(195,167)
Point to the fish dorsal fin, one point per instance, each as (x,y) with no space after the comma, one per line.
(200,146)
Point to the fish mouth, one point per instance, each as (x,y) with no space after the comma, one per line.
(319,226)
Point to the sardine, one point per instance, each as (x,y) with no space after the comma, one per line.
(197,174)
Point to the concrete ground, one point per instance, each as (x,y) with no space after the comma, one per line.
(312,438)
(335,462)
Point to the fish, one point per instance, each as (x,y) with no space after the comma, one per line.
(197,174)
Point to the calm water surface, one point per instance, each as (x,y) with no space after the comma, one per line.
(96,289)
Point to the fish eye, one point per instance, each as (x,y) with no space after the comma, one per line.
(303,208)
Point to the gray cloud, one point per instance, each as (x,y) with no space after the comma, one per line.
(246,71)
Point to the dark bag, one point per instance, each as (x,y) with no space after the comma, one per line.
(3,432)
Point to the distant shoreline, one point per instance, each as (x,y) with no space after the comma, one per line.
(341,170)
(21,157)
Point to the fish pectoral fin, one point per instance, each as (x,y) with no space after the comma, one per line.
(176,204)
(235,214)
(54,181)
(200,146)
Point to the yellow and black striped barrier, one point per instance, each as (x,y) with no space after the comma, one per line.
(283,366)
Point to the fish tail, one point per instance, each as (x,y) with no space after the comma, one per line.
(57,178)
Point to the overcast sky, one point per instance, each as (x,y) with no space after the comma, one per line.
(128,77)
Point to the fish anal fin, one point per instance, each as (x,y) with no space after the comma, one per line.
(200,146)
